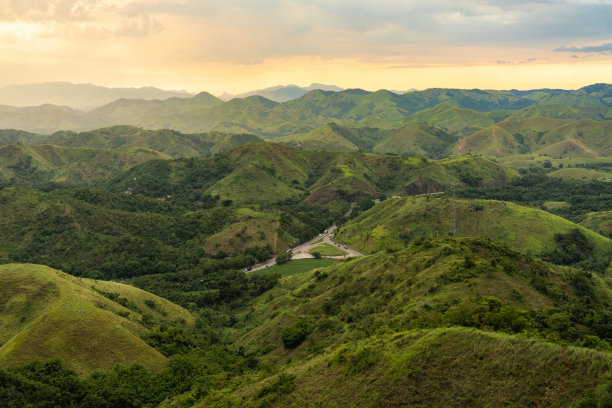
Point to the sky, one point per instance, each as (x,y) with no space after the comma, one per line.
(236,46)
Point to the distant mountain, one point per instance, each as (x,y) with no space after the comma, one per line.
(352,107)
(282,93)
(78,96)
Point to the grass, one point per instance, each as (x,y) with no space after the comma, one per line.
(379,334)
(579,173)
(295,267)
(448,367)
(553,205)
(327,250)
(392,223)
(49,314)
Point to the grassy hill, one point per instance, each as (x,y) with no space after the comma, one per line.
(269,173)
(557,138)
(416,139)
(382,330)
(600,222)
(169,142)
(397,221)
(457,121)
(442,367)
(563,112)
(39,164)
(48,314)
(330,137)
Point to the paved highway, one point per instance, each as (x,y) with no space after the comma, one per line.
(301,251)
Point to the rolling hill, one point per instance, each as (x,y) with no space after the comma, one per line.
(416,139)
(268,173)
(169,142)
(383,330)
(394,222)
(557,138)
(453,119)
(90,325)
(43,164)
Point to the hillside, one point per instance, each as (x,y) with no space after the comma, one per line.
(48,314)
(383,329)
(41,164)
(395,222)
(557,138)
(270,173)
(416,139)
(600,222)
(453,119)
(327,137)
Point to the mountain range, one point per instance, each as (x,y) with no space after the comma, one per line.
(78,96)
(352,107)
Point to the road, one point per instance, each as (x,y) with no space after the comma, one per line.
(301,251)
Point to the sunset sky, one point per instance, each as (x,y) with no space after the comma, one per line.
(237,46)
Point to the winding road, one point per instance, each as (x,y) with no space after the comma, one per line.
(301,251)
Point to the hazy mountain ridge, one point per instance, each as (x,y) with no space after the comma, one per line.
(78,96)
(266,118)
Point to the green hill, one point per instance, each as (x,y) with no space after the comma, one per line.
(600,222)
(271,173)
(579,138)
(453,119)
(48,314)
(327,137)
(397,221)
(558,138)
(382,330)
(451,367)
(563,112)
(416,139)
(39,164)
(169,142)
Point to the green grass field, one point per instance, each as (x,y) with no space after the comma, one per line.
(296,267)
(327,250)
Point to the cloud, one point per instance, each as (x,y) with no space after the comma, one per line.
(602,49)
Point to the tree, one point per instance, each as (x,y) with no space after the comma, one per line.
(283,258)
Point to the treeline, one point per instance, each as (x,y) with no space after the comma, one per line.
(536,188)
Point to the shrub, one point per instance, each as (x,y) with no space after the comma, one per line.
(294,336)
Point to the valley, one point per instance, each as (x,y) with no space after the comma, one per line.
(443,247)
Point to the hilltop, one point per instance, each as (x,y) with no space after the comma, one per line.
(90,325)
(395,222)
(384,329)
(556,138)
